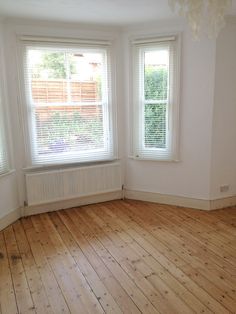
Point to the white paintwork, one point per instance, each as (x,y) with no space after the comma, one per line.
(181,201)
(207,150)
(115,12)
(223,202)
(191,176)
(223,169)
(8,199)
(70,203)
(8,194)
(59,185)
(9,202)
(168,199)
(9,218)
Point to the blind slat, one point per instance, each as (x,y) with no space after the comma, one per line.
(59,40)
(155,99)
(153,40)
(4,164)
(69,104)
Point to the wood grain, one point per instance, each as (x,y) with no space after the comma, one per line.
(120,257)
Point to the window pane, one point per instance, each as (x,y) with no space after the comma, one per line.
(47,71)
(4,165)
(67,90)
(86,77)
(156,98)
(69,129)
(156,67)
(3,155)
(60,77)
(155,125)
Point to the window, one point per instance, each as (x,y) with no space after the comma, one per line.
(156,88)
(69,107)
(4,166)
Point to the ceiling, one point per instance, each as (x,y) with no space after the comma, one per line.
(113,12)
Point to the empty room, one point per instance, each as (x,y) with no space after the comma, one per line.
(117,156)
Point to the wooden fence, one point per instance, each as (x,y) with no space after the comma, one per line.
(56,91)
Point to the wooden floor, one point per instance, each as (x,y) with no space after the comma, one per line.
(120,257)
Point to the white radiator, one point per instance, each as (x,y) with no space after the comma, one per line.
(56,185)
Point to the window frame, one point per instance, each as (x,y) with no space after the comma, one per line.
(138,48)
(106,47)
(5,140)
(5,169)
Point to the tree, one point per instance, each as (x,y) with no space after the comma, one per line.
(155,126)
(155,88)
(55,64)
(155,83)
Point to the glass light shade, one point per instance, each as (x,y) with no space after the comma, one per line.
(198,11)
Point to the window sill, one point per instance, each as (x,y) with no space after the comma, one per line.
(8,173)
(155,160)
(59,167)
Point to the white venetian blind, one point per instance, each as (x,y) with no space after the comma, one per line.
(155,99)
(68,95)
(4,165)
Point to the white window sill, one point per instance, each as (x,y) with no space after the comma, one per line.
(153,159)
(58,167)
(8,173)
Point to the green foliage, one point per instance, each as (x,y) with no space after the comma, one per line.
(155,83)
(155,88)
(155,126)
(69,132)
(55,64)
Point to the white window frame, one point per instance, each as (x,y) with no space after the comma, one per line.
(105,46)
(5,168)
(4,140)
(138,150)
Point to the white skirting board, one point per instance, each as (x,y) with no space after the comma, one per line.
(76,202)
(39,209)
(129,194)
(180,200)
(167,199)
(223,202)
(10,218)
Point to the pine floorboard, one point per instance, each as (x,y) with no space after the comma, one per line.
(120,257)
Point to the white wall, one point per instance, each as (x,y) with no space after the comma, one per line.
(207,145)
(191,176)
(16,28)
(8,183)
(8,194)
(223,170)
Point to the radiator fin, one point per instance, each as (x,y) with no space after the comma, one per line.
(51,186)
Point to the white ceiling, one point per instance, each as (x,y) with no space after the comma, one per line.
(114,12)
